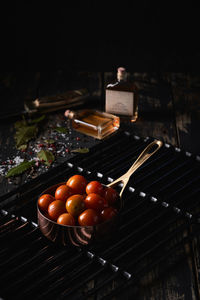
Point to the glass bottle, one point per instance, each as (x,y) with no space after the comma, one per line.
(122,97)
(94,123)
(70,98)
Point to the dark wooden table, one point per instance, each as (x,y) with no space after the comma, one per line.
(169,109)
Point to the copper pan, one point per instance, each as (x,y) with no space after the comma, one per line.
(85,235)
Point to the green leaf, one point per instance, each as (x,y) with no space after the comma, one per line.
(25,131)
(21,168)
(49,141)
(24,134)
(23,147)
(46,156)
(20,123)
(40,119)
(81,150)
(61,129)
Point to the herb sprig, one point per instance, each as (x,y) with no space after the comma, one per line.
(26,130)
(21,168)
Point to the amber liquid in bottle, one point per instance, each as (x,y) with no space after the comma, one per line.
(94,123)
(122,97)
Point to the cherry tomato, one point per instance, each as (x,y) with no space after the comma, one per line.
(62,192)
(105,203)
(66,219)
(94,201)
(77,183)
(111,195)
(44,201)
(94,187)
(89,218)
(55,209)
(108,213)
(75,205)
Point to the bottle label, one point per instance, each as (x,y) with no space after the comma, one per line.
(120,102)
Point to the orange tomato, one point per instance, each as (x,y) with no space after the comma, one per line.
(89,217)
(77,184)
(55,209)
(94,201)
(66,219)
(108,213)
(62,192)
(44,201)
(75,204)
(111,195)
(94,187)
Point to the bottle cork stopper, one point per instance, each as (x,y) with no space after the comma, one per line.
(69,114)
(121,73)
(121,70)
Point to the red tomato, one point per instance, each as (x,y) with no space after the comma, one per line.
(89,218)
(94,187)
(94,201)
(44,201)
(77,184)
(75,204)
(55,209)
(111,195)
(108,213)
(62,192)
(66,219)
(105,203)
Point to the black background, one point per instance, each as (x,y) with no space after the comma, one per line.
(62,40)
(89,35)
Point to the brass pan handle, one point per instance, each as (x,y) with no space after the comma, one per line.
(146,153)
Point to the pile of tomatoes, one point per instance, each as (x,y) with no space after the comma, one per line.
(79,202)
